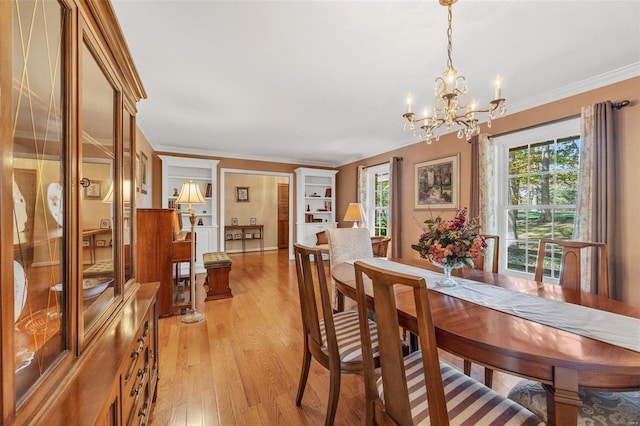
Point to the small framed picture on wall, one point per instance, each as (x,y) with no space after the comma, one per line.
(242,193)
(234,221)
(252,221)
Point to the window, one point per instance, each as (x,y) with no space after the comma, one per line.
(378,199)
(537,185)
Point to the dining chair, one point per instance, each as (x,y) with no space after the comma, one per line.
(479,263)
(418,388)
(332,339)
(570,263)
(347,244)
(379,246)
(599,408)
(322,242)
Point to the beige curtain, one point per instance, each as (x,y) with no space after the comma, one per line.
(487,181)
(361,195)
(596,204)
(395,194)
(474,205)
(483,194)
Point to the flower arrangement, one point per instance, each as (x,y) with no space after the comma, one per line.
(454,242)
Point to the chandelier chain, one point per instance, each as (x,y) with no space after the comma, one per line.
(449,33)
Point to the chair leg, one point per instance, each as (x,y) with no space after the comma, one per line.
(488,373)
(306,362)
(334,393)
(488,377)
(467,367)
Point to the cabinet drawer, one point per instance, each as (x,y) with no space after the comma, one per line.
(136,373)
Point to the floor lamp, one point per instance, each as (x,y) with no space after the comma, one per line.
(190,194)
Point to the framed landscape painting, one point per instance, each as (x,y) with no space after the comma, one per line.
(437,183)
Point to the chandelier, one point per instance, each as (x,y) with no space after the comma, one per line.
(451,106)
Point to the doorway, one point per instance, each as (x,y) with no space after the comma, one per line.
(281,226)
(283,215)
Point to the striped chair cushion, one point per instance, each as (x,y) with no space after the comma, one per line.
(468,401)
(598,409)
(348,336)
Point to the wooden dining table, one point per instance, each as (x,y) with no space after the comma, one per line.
(563,361)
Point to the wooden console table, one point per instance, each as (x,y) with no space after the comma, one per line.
(91,238)
(255,232)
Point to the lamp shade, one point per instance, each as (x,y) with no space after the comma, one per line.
(127,192)
(190,194)
(355,214)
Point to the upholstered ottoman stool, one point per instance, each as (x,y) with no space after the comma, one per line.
(100,269)
(218,265)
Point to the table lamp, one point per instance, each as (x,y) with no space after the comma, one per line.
(190,194)
(355,213)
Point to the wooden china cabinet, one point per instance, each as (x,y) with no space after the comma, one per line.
(78,334)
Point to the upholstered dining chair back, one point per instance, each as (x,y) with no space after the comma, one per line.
(347,244)
(418,388)
(571,255)
(494,251)
(379,246)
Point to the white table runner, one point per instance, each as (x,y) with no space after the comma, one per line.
(605,326)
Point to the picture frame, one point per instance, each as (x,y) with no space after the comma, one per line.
(437,183)
(144,165)
(101,243)
(248,236)
(234,221)
(237,236)
(242,193)
(105,224)
(253,221)
(93,191)
(229,237)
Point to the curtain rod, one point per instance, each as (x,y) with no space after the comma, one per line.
(620,104)
(380,164)
(616,105)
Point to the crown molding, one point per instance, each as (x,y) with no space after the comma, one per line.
(610,77)
(239,156)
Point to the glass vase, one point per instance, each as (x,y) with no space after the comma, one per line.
(446,280)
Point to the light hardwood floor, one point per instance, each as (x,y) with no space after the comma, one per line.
(242,364)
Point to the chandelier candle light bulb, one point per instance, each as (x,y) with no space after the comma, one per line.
(451,106)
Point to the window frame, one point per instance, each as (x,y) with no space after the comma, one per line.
(371,206)
(553,131)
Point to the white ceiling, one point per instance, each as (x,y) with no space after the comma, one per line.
(324,82)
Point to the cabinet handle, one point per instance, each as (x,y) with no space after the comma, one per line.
(142,373)
(135,355)
(143,413)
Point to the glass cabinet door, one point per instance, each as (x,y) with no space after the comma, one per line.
(100,190)
(40,191)
(128,188)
